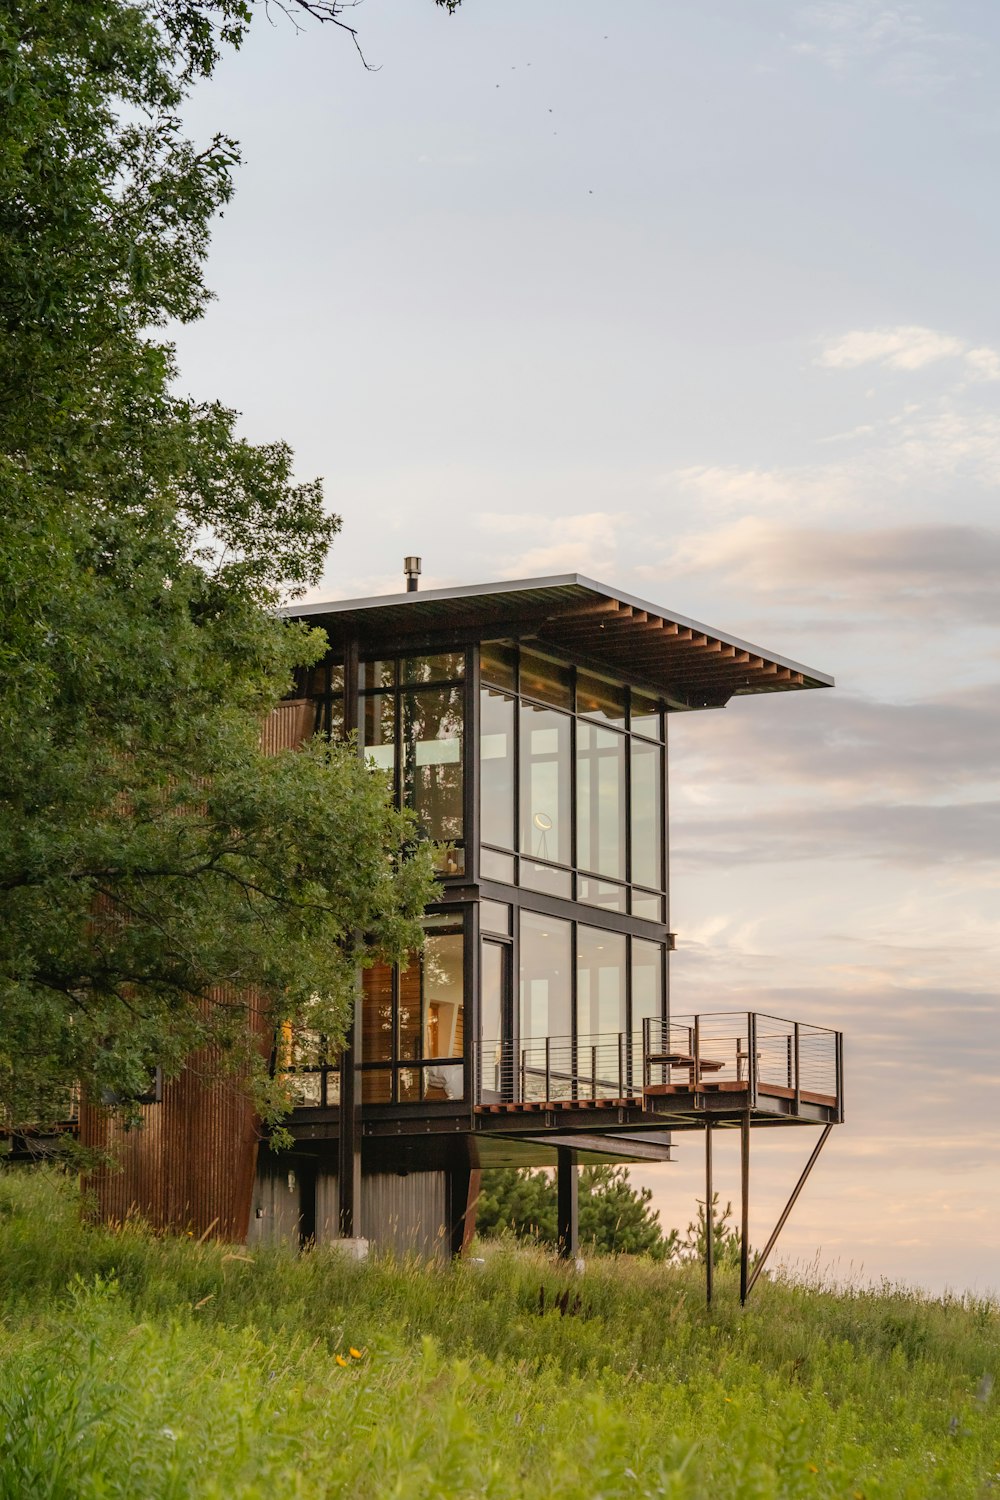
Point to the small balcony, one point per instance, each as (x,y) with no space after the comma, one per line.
(718,1066)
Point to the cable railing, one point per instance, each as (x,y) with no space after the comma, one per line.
(746,1052)
(749,1049)
(556,1069)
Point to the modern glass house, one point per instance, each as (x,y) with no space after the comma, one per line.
(526,723)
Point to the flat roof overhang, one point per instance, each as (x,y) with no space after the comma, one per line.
(578,620)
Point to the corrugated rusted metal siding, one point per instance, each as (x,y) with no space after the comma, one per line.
(276,1211)
(407,1214)
(191,1163)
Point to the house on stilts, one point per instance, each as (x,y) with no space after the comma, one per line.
(526,723)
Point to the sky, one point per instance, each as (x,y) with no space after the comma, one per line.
(699,301)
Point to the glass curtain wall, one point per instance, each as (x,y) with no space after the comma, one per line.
(413,1021)
(412,726)
(583,995)
(571,784)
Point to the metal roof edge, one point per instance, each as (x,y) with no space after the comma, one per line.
(561,580)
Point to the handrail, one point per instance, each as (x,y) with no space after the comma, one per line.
(757,1050)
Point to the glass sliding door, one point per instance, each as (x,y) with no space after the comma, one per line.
(601,1013)
(545,1042)
(647,998)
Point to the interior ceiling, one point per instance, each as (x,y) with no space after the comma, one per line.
(688,664)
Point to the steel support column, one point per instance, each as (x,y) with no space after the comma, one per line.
(568,1227)
(349,1131)
(787,1209)
(709,1216)
(745,1206)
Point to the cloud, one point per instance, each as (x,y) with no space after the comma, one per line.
(585,543)
(851,747)
(908,834)
(907,347)
(887,571)
(894,42)
(901,348)
(984,363)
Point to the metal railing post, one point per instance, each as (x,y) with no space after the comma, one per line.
(696,1053)
(548,1070)
(593,1072)
(752,1060)
(798,1072)
(646,1050)
(621,1065)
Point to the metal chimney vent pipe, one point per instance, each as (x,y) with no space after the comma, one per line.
(411,567)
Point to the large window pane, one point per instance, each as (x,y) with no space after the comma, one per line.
(600,982)
(496,768)
(647,814)
(548,878)
(600,800)
(646,905)
(438,668)
(496,866)
(646,986)
(432,759)
(378,729)
(545,784)
(545,976)
(602,893)
(444,995)
(377,674)
(647,994)
(494,916)
(376,1013)
(409,1010)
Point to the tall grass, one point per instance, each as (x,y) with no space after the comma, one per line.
(144,1367)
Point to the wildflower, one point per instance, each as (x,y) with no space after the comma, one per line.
(728,1400)
(812,1468)
(354,1353)
(342,1362)
(169,1434)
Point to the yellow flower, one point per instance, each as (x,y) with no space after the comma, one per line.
(342,1362)
(812,1468)
(354,1353)
(728,1400)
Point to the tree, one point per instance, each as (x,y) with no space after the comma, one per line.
(156,869)
(727,1241)
(615,1217)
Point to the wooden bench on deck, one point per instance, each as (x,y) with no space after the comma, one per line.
(684,1060)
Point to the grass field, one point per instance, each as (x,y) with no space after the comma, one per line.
(151,1368)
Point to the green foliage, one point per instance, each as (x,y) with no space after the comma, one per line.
(615,1217)
(161,1368)
(155,867)
(727,1241)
